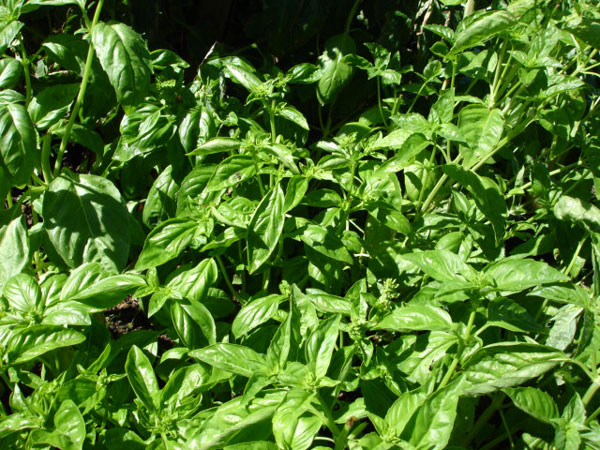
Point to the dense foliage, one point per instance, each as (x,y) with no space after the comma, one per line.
(390,243)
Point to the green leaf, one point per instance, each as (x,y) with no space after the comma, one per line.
(585,29)
(534,402)
(67,313)
(577,211)
(233,358)
(142,379)
(160,204)
(242,73)
(320,346)
(81,278)
(255,313)
(217,145)
(231,171)
(563,330)
(10,73)
(291,427)
(107,292)
(482,129)
(486,193)
(264,230)
(81,135)
(281,344)
(400,413)
(508,364)
(335,73)
(329,303)
(477,29)
(69,429)
(17,143)
(390,217)
(193,284)
(86,220)
(519,274)
(294,193)
(184,382)
(295,116)
(25,345)
(193,323)
(126,60)
(416,317)
(8,33)
(14,249)
(504,313)
(432,423)
(325,242)
(166,242)
(52,104)
(23,293)
(442,265)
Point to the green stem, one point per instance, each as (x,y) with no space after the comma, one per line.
(507,428)
(25,64)
(458,354)
(79,100)
(483,419)
(592,416)
(225,276)
(260,184)
(379,103)
(426,178)
(495,84)
(567,271)
(46,170)
(329,420)
(589,394)
(351,16)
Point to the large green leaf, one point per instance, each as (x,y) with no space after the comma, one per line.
(161,204)
(335,73)
(482,129)
(86,220)
(166,242)
(18,152)
(233,358)
(10,73)
(508,364)
(486,194)
(576,210)
(442,265)
(14,249)
(142,379)
(107,292)
(324,241)
(478,28)
(231,171)
(193,284)
(25,345)
(320,345)
(52,104)
(125,58)
(8,32)
(69,428)
(23,293)
(291,428)
(520,274)
(255,313)
(534,402)
(432,423)
(265,229)
(416,317)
